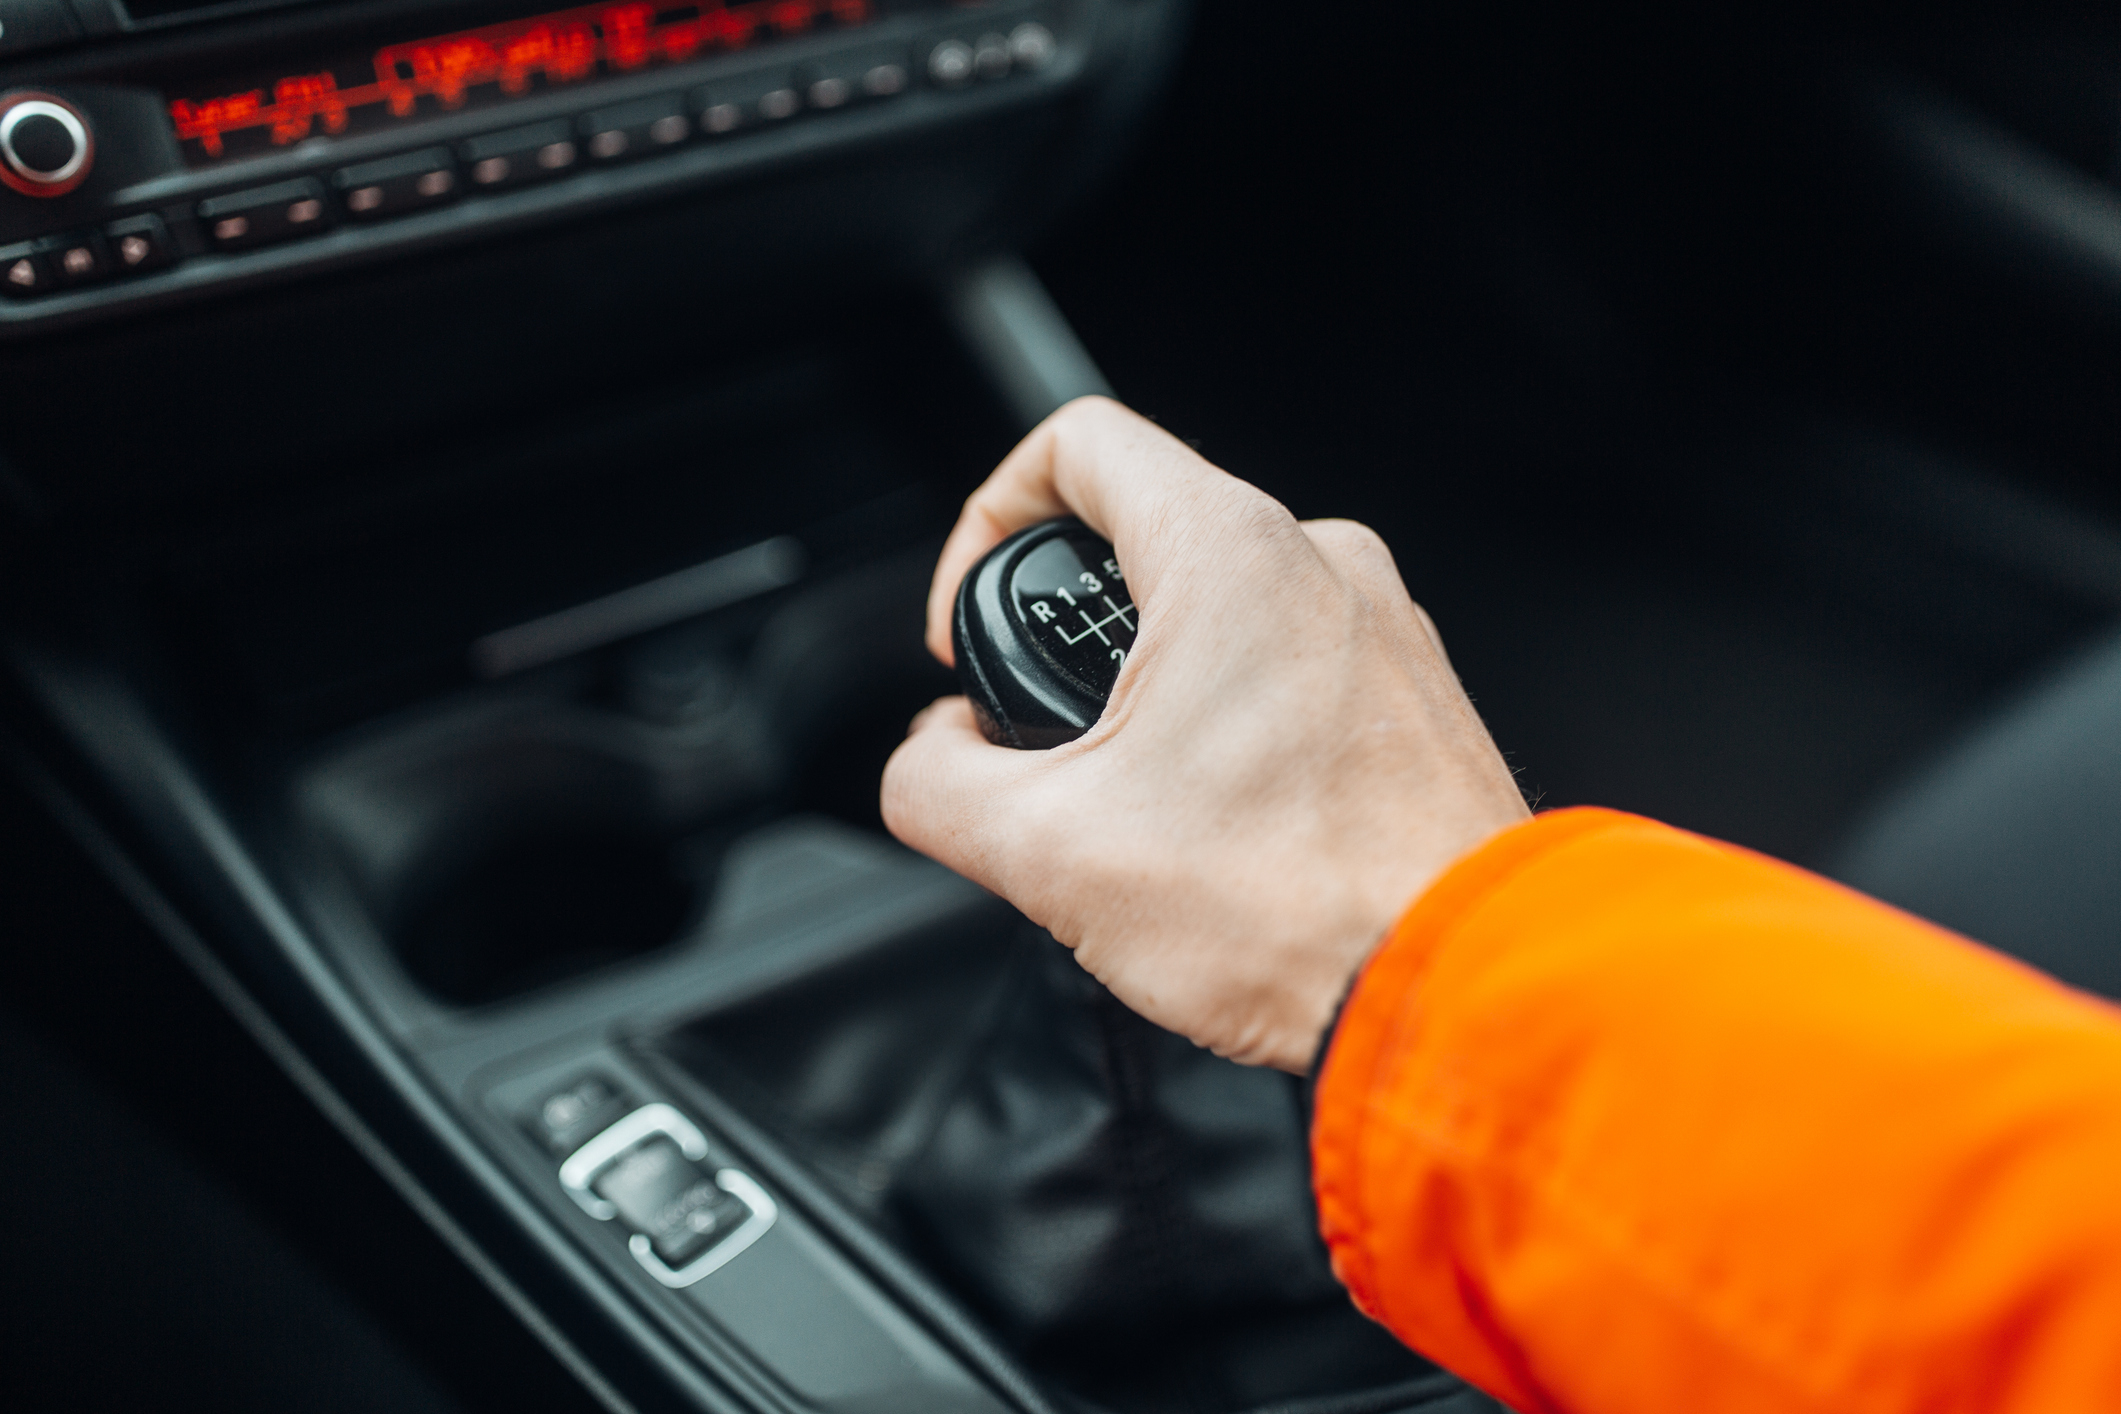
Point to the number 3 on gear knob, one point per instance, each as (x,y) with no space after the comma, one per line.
(1043,625)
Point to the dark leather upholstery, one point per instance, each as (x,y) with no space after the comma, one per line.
(1130,1214)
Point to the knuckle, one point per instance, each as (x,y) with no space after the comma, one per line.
(1351,538)
(1360,555)
(1252,517)
(1081,415)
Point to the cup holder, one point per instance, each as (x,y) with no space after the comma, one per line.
(534,911)
(535,831)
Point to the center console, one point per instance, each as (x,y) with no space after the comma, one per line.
(469,485)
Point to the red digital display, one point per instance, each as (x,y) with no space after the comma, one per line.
(491,64)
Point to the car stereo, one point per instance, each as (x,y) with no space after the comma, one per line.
(149,165)
(494,65)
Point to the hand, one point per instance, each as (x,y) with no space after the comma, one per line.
(1286,762)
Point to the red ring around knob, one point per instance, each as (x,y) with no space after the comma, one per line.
(76,171)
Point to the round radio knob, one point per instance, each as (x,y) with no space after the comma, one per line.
(46,145)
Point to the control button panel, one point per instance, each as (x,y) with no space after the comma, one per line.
(651,1172)
(955,60)
(48,147)
(131,246)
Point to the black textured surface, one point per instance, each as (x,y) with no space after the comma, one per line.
(1131,1214)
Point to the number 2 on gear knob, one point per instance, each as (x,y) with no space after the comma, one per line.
(1043,625)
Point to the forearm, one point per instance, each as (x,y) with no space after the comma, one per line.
(1621,1119)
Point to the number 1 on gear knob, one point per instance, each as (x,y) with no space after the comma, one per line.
(1043,625)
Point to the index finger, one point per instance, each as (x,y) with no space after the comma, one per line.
(1115,469)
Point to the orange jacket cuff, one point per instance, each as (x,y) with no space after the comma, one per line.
(1619,1118)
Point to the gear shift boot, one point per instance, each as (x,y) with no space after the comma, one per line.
(1129,1213)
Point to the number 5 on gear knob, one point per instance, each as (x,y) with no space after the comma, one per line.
(1043,625)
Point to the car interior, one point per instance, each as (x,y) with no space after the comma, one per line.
(470,474)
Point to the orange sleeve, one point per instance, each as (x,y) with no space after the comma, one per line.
(1620,1119)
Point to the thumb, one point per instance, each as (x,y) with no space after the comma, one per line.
(945,785)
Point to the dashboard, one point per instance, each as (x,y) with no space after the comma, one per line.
(158,153)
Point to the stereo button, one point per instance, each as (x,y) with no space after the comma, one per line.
(631,129)
(991,57)
(1032,45)
(950,63)
(747,100)
(78,259)
(263,215)
(23,272)
(956,60)
(139,243)
(519,155)
(397,184)
(857,75)
(884,81)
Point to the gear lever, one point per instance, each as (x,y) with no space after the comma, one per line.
(1123,1206)
(1043,625)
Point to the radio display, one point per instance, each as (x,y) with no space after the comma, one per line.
(475,68)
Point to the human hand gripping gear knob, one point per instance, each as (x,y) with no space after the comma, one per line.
(1286,759)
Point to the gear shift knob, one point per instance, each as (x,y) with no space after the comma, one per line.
(1043,625)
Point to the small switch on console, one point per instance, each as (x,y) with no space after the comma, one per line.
(649,1169)
(567,1118)
(671,1201)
